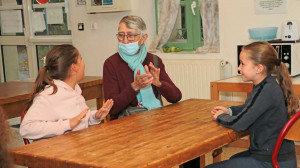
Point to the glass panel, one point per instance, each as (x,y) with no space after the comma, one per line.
(15,62)
(107,2)
(41,51)
(179,32)
(10,24)
(11,2)
(54,29)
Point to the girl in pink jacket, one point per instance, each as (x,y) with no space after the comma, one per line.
(57,106)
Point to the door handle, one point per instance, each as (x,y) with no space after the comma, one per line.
(193,6)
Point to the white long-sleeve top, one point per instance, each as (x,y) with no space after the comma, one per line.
(50,114)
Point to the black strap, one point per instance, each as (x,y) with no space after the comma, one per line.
(156,64)
(155,61)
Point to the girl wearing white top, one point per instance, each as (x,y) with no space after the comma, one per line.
(57,106)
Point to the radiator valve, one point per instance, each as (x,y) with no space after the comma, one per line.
(223,63)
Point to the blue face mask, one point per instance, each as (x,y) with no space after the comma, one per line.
(130,48)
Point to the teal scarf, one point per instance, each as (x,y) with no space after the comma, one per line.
(146,94)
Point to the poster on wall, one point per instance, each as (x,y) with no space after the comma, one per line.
(42,1)
(11,21)
(270,6)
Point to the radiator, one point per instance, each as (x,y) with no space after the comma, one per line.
(193,76)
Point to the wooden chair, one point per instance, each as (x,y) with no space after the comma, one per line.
(26,141)
(290,131)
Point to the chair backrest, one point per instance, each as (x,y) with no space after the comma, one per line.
(291,132)
(294,132)
(26,141)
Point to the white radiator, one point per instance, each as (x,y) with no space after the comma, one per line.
(193,76)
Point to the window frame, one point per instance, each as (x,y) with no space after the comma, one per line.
(30,40)
(193,26)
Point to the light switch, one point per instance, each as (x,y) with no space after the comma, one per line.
(80,26)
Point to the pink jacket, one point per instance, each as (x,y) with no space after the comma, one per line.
(49,114)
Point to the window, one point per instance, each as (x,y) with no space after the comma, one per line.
(187,32)
(41,51)
(58,26)
(28,30)
(15,61)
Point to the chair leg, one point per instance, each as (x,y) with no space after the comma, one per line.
(217,157)
(107,118)
(202,161)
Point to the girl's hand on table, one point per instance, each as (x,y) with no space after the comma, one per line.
(216,114)
(217,108)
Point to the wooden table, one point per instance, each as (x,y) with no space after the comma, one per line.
(236,84)
(163,137)
(14,95)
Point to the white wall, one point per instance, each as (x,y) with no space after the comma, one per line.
(236,17)
(97,45)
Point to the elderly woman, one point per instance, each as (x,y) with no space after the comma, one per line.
(130,77)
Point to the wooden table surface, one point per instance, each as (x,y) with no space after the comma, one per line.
(163,137)
(14,95)
(236,84)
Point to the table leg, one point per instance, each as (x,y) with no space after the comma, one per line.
(202,161)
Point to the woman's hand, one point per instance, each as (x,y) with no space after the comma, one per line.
(76,120)
(155,73)
(143,80)
(104,110)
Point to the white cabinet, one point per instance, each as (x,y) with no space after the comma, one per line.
(94,6)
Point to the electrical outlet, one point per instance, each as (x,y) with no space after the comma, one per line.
(94,26)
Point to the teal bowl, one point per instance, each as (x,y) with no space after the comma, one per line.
(263,33)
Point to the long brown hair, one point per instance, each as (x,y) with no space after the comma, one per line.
(58,62)
(265,54)
(5,159)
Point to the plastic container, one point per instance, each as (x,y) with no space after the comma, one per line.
(263,33)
